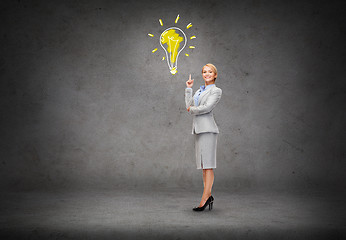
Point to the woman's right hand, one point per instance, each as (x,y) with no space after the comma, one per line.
(189,83)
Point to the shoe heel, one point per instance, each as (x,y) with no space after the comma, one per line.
(211,206)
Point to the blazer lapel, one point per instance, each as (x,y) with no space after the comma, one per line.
(203,94)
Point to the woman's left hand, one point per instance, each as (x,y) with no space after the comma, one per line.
(188,109)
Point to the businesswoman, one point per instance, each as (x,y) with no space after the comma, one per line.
(201,106)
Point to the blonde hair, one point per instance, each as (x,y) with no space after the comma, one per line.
(212,66)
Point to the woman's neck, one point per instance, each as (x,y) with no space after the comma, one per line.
(209,83)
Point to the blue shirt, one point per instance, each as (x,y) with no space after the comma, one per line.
(203,88)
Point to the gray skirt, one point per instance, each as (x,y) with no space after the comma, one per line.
(205,146)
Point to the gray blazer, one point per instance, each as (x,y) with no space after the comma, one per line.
(203,118)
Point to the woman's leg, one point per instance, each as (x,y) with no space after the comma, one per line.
(204,170)
(208,184)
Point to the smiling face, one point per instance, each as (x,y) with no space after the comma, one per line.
(209,75)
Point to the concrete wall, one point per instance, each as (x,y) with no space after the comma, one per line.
(85,103)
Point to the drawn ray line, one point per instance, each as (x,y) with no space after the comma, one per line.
(176,20)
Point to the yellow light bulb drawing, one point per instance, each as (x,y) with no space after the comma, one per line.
(173,41)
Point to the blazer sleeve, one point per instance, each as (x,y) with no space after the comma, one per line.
(209,104)
(188,97)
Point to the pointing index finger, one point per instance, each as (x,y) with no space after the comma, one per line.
(190,78)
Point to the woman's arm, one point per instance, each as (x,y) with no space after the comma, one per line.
(188,97)
(209,104)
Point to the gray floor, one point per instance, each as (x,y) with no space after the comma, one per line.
(167,214)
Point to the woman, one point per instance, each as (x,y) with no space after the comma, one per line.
(204,128)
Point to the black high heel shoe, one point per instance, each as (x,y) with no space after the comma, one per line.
(208,202)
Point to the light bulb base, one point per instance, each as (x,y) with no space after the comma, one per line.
(174,71)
